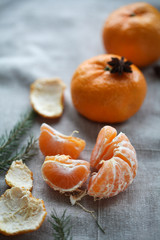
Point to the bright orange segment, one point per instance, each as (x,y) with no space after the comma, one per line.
(105,136)
(65,174)
(116,160)
(52,142)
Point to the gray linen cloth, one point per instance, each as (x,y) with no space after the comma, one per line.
(43,39)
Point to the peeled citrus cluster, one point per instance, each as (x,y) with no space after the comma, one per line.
(113,158)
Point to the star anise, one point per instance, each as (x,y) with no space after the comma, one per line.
(119,66)
(157,70)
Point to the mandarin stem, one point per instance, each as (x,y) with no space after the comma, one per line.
(92,214)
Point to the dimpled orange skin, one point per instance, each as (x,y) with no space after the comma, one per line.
(133,31)
(105,97)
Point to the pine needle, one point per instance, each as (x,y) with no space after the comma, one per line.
(9,142)
(25,153)
(61,226)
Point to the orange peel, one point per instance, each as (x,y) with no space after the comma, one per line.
(19,175)
(20,212)
(46,97)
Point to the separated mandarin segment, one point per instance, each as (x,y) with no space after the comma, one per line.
(65,174)
(52,142)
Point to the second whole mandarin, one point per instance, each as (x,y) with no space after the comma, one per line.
(133,31)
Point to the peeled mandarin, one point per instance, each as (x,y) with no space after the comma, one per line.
(115,159)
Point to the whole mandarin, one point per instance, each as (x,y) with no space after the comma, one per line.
(133,31)
(102,96)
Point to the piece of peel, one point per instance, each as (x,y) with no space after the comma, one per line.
(20,212)
(77,196)
(19,175)
(46,97)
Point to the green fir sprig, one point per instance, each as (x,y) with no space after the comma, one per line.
(61,226)
(10,142)
(25,153)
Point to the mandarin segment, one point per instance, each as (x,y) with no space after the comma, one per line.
(115,159)
(102,96)
(65,174)
(52,142)
(105,136)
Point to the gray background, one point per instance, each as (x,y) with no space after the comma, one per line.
(51,38)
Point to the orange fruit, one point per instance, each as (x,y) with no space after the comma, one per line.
(65,174)
(133,31)
(102,96)
(115,159)
(52,142)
